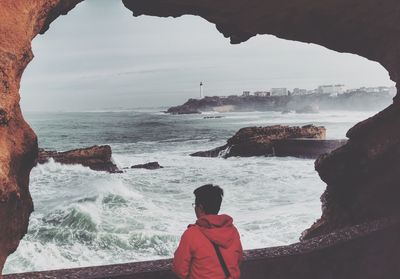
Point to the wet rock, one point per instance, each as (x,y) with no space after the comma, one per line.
(190,107)
(216,152)
(149,166)
(97,158)
(305,148)
(266,141)
(212,117)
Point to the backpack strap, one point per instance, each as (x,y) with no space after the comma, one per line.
(221,260)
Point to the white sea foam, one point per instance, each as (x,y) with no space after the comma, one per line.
(211,112)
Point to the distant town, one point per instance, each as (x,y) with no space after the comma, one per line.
(332,90)
(325,97)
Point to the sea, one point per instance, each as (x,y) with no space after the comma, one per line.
(84,218)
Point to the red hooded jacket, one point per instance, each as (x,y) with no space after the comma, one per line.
(195,257)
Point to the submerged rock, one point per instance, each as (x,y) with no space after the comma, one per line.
(307,141)
(212,117)
(148,166)
(96,157)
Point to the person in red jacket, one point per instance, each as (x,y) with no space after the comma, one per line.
(210,248)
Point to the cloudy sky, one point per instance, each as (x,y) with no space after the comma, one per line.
(100,57)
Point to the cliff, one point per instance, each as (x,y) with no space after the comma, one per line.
(233,103)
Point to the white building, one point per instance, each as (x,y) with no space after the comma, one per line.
(261,93)
(333,90)
(299,91)
(383,89)
(246,93)
(371,89)
(379,89)
(279,91)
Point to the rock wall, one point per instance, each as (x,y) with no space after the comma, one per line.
(361,176)
(20,22)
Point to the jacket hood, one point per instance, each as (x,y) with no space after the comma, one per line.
(219,229)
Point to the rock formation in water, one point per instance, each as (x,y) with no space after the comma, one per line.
(274,141)
(362,176)
(95,157)
(148,166)
(231,103)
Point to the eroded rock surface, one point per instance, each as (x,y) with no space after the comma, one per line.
(263,141)
(20,22)
(148,166)
(362,176)
(95,157)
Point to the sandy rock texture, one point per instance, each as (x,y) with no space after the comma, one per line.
(98,158)
(362,175)
(20,22)
(262,141)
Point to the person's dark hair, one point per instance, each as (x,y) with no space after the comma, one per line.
(210,197)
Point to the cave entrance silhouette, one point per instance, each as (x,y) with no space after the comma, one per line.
(298,249)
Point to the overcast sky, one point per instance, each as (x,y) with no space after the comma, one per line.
(100,57)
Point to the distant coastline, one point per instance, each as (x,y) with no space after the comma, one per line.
(358,100)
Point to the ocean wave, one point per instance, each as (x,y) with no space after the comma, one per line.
(53,167)
(152,124)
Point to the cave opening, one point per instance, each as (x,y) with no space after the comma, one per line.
(81,225)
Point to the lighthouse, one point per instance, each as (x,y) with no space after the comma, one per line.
(201,90)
